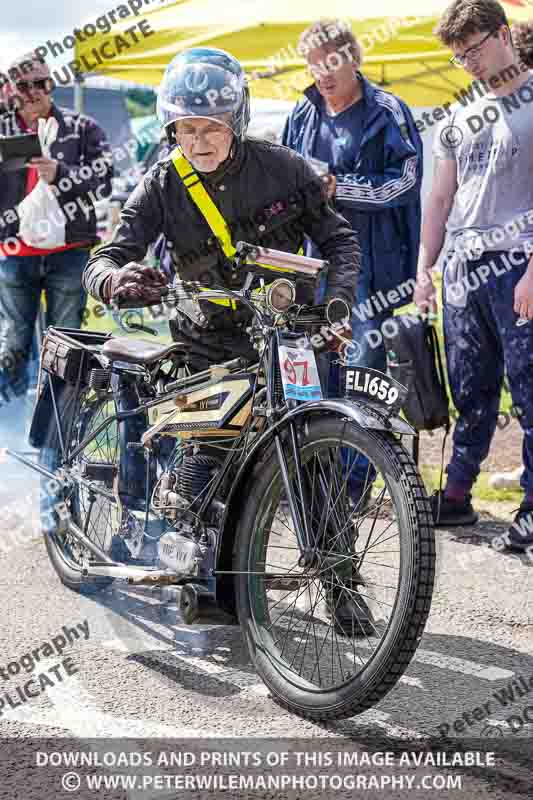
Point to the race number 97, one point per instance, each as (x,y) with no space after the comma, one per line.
(295,370)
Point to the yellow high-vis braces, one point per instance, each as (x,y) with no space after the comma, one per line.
(211,214)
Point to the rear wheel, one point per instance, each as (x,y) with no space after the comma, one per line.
(373,558)
(97,516)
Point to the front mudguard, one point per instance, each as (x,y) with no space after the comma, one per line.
(371,416)
(367,415)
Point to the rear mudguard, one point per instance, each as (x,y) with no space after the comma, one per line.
(366,415)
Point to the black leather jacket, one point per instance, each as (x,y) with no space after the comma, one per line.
(267,194)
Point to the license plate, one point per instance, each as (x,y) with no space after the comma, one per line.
(375,385)
(299,373)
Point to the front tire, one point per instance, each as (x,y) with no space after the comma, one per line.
(334,676)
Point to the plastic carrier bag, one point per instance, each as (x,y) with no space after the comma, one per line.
(42,221)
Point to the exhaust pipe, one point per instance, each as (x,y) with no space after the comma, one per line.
(130,574)
(197,605)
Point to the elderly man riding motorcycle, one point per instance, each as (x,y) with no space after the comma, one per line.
(215,188)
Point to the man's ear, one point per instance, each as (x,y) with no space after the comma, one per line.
(506,34)
(171,134)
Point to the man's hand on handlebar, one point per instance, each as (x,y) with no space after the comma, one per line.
(135,283)
(340,335)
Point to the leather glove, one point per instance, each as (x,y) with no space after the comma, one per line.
(135,282)
(337,344)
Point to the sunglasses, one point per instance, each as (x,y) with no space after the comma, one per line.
(26,86)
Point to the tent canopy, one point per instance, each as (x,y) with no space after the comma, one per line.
(400,52)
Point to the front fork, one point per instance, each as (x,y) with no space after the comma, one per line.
(310,537)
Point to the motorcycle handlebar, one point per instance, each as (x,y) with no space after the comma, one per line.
(121,304)
(332,312)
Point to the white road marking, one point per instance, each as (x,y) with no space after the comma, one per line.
(207,667)
(240,678)
(259,689)
(502,723)
(381,719)
(74,709)
(251,683)
(462,665)
(247,681)
(435,659)
(454,664)
(136,645)
(409,681)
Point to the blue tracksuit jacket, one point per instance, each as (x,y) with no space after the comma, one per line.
(381,197)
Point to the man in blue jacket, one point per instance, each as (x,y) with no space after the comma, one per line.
(372,152)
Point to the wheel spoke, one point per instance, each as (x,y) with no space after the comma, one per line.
(103,521)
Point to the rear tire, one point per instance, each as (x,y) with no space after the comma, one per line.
(63,549)
(263,629)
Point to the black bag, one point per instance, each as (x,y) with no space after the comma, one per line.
(61,356)
(67,358)
(414,359)
(66,353)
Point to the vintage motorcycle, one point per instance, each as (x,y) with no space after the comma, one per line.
(235,485)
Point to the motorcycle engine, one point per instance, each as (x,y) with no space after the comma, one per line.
(189,548)
(183,555)
(179,487)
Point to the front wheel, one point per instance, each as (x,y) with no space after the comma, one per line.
(331,634)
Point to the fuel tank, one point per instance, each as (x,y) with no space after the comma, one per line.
(221,408)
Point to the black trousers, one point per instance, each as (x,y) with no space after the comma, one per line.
(218,343)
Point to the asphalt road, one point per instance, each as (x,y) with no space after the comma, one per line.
(139,673)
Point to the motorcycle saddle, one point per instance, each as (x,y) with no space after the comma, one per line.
(139,351)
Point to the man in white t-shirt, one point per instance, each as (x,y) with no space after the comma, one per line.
(482,197)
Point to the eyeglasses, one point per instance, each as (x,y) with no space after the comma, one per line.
(217,132)
(472,52)
(27,86)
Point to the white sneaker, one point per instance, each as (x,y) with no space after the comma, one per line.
(506,480)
